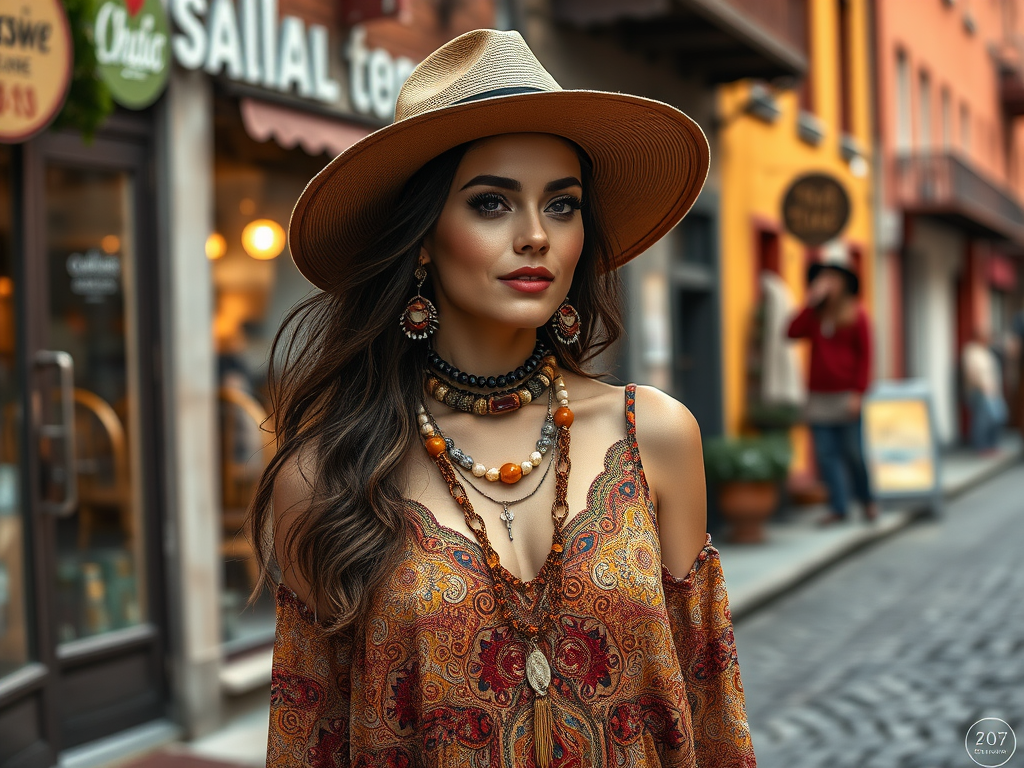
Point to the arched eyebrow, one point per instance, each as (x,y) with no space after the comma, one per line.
(504,182)
(560,184)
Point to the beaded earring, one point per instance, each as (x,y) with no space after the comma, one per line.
(419,318)
(565,323)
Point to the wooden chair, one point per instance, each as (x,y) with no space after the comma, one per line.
(239,476)
(104,482)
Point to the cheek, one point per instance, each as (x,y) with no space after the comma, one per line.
(465,244)
(567,245)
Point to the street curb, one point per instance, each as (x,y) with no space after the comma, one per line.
(747,602)
(997,466)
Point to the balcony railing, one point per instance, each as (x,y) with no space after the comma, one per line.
(942,184)
(722,40)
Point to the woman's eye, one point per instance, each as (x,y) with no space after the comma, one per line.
(488,204)
(565,206)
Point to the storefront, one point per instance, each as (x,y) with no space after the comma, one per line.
(82,616)
(143,275)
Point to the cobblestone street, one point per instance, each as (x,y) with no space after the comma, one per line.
(890,657)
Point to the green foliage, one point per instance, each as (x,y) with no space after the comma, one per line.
(89,102)
(765,457)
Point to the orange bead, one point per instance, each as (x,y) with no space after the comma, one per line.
(511,473)
(436,446)
(563,417)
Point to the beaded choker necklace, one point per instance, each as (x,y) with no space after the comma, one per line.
(548,582)
(448,371)
(495,403)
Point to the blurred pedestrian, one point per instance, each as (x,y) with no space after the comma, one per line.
(983,392)
(841,346)
(466,257)
(1017,384)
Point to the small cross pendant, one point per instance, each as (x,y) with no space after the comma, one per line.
(508,516)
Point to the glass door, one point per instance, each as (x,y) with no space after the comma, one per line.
(90,269)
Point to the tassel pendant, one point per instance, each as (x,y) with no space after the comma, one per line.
(543,743)
(538,673)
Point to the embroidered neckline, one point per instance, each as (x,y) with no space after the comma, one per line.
(611,458)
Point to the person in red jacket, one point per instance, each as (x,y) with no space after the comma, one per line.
(840,333)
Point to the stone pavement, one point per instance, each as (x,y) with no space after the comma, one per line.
(797,547)
(796,550)
(887,660)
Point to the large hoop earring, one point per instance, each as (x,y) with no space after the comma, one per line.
(419,318)
(565,323)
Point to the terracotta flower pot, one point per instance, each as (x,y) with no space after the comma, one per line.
(746,504)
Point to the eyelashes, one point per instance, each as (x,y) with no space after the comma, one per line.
(491,204)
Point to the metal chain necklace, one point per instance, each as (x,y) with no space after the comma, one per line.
(507,514)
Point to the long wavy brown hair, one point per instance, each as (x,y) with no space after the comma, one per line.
(344,381)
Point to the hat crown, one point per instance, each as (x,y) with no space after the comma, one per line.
(476,65)
(835,253)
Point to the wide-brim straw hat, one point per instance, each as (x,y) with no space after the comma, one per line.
(650,160)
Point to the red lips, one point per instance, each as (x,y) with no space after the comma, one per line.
(538,272)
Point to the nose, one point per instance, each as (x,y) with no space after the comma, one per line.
(531,237)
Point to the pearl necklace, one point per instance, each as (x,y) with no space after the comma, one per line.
(509,472)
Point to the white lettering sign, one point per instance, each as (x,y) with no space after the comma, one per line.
(249,44)
(140,50)
(246,40)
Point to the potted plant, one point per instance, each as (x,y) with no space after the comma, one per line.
(747,471)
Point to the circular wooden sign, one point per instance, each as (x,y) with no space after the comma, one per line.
(36,56)
(816,208)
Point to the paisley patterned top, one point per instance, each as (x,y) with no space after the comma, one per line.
(644,667)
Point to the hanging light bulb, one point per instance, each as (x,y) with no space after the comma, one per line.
(263,239)
(216,246)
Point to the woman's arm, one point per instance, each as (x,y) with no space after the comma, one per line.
(803,324)
(293,492)
(673,460)
(695,598)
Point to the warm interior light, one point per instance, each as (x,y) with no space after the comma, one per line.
(263,239)
(110,244)
(216,246)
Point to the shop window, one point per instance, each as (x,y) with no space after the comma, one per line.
(904,137)
(924,111)
(805,92)
(965,129)
(947,120)
(14,649)
(845,68)
(768,251)
(255,284)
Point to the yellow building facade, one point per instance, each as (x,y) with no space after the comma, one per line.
(770,136)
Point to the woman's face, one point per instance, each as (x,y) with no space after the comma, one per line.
(508,239)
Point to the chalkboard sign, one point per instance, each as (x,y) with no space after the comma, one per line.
(900,442)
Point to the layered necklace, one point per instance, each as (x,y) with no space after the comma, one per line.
(508,472)
(530,625)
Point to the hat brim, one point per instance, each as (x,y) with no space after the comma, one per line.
(650,162)
(852,279)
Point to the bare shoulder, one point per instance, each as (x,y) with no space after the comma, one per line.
(670,445)
(664,425)
(293,494)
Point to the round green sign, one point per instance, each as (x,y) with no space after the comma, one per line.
(133,49)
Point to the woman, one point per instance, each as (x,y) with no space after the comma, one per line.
(840,334)
(450,595)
